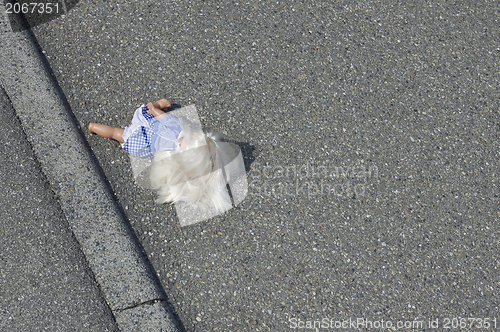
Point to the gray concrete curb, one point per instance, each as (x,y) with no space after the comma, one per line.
(129,285)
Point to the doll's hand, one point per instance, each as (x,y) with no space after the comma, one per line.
(158,113)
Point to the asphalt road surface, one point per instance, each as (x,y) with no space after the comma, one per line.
(370,131)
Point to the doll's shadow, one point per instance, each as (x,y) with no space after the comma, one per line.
(172,107)
(247,151)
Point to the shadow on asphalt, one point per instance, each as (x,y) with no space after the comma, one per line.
(247,149)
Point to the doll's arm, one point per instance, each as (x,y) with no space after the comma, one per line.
(162,104)
(156,108)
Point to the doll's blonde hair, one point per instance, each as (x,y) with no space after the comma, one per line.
(194,174)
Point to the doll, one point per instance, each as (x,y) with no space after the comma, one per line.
(172,155)
(137,139)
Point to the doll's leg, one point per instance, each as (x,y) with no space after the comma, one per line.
(107,131)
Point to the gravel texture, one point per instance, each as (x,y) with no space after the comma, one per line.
(388,111)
